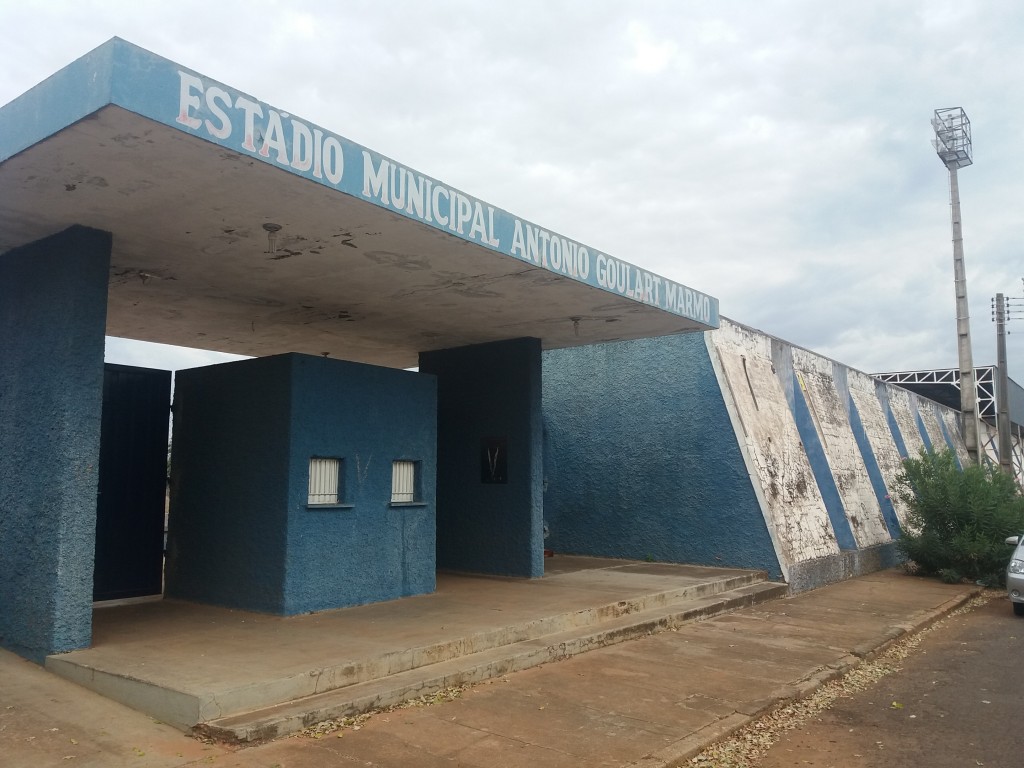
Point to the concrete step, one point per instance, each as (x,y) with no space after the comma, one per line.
(186,708)
(566,639)
(485,613)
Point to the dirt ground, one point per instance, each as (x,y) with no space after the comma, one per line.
(951,698)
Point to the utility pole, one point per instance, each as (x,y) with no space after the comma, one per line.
(1003,310)
(1005,443)
(953,145)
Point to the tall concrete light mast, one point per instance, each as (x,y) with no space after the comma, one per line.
(953,145)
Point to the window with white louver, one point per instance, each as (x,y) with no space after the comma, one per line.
(403,482)
(324,475)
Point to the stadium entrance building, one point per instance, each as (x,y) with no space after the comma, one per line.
(141,199)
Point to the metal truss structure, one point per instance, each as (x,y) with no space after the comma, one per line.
(943,386)
(989,439)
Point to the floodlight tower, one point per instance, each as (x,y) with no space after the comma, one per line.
(953,145)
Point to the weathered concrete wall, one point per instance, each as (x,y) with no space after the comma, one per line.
(903,405)
(792,504)
(848,429)
(819,447)
(936,431)
(810,574)
(829,398)
(952,421)
(811,442)
(53,306)
(872,411)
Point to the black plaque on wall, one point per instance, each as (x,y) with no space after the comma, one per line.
(494,460)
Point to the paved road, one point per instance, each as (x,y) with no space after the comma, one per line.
(958,703)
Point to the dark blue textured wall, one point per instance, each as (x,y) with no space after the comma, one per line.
(53,305)
(241,533)
(369,417)
(229,484)
(489,391)
(641,460)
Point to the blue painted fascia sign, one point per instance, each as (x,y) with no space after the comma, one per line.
(134,79)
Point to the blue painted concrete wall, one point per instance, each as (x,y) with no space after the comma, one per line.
(641,459)
(368,416)
(227,530)
(53,305)
(241,533)
(489,391)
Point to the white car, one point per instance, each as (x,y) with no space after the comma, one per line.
(1015,575)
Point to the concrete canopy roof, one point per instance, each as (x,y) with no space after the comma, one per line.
(374,262)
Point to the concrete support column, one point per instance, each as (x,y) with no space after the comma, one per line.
(53,306)
(489,457)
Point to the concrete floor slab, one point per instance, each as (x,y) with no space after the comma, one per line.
(187,663)
(599,708)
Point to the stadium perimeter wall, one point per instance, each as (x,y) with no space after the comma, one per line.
(734,448)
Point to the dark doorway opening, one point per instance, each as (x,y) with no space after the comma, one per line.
(130,504)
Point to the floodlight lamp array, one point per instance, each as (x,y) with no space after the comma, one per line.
(952,140)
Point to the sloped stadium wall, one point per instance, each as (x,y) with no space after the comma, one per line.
(733,448)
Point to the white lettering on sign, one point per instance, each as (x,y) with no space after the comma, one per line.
(290,143)
(404,190)
(551,251)
(278,138)
(684,301)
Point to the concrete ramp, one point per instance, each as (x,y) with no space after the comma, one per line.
(243,676)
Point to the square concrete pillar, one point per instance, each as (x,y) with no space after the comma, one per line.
(490,514)
(53,307)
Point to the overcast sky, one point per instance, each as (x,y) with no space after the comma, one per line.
(775,155)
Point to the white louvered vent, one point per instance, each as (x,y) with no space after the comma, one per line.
(403,482)
(323,481)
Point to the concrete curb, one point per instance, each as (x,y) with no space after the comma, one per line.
(688,747)
(288,717)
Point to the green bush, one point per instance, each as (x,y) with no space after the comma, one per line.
(959,520)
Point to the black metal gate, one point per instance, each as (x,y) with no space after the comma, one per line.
(132,483)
